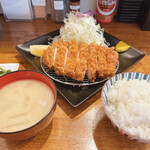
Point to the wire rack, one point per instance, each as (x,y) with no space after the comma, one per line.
(67,80)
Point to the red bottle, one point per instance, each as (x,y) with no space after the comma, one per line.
(105,10)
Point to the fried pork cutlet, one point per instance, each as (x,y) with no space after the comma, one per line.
(112,60)
(49,55)
(92,66)
(60,57)
(71,60)
(67,59)
(102,62)
(81,62)
(46,56)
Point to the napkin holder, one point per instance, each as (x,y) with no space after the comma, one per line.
(144,15)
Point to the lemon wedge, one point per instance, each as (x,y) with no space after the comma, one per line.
(122,47)
(37,50)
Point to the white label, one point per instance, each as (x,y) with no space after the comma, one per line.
(75,7)
(38,3)
(58,5)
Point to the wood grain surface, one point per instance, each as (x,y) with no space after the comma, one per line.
(85,127)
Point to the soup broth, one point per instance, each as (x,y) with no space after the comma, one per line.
(23,103)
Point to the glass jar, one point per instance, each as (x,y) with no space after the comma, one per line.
(59,9)
(75,5)
(39,7)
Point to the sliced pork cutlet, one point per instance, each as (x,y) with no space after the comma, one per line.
(81,66)
(112,60)
(49,55)
(60,57)
(92,66)
(71,60)
(102,62)
(45,56)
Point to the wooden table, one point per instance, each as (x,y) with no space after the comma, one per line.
(85,127)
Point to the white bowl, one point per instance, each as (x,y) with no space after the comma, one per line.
(105,90)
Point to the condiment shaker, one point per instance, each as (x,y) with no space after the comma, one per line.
(59,9)
(39,7)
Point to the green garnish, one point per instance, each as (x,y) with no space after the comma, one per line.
(3,71)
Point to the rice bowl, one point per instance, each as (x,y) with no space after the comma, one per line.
(126,102)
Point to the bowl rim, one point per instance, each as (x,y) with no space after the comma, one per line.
(129,135)
(55,99)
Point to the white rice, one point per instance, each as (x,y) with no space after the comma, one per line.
(129,106)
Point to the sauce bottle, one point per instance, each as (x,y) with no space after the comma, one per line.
(105,10)
(75,5)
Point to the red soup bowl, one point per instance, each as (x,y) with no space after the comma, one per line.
(42,123)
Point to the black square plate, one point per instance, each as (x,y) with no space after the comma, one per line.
(77,95)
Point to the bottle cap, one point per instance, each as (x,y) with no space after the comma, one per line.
(74,0)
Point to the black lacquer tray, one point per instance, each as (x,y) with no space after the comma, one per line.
(76,95)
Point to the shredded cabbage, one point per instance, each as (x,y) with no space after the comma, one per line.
(82,26)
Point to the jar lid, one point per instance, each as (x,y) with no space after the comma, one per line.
(74,0)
